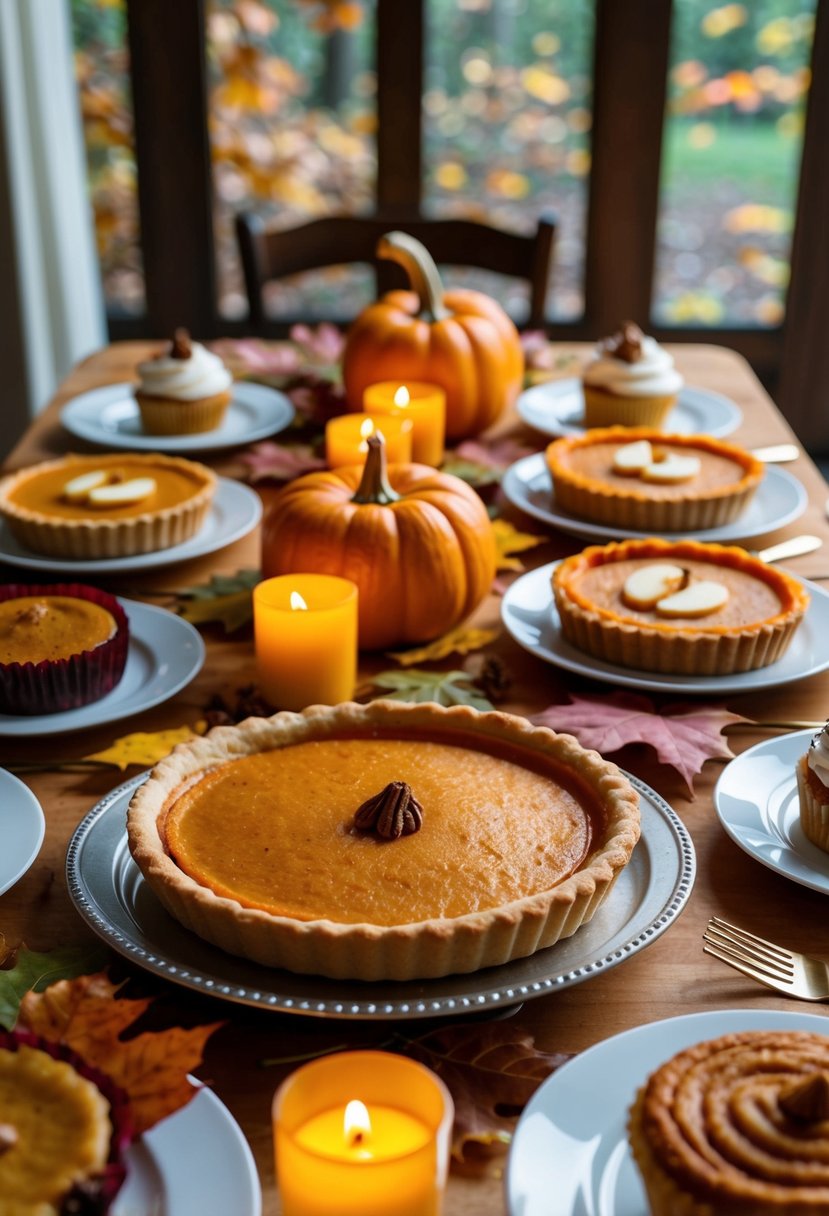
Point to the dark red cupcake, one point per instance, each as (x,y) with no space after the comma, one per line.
(61,646)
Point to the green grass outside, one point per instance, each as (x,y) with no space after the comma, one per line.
(755,156)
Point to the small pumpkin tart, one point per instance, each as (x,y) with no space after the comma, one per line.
(104,506)
(61,646)
(639,479)
(383,841)
(677,607)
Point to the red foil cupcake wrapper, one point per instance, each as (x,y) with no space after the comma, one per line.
(55,685)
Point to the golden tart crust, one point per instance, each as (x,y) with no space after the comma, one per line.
(447,899)
(764,608)
(714,1133)
(36,510)
(585,483)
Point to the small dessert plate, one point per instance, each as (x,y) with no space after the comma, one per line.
(23,828)
(571,1141)
(109,417)
(556,407)
(757,804)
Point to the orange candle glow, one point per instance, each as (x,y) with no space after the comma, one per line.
(424,403)
(346,438)
(385,1153)
(305,636)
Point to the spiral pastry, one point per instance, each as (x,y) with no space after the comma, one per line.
(737,1126)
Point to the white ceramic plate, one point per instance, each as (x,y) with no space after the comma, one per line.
(571,1141)
(530,616)
(779,499)
(235,511)
(165,654)
(22,825)
(756,800)
(109,417)
(557,408)
(196,1163)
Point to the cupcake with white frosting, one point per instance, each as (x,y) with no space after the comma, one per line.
(629,381)
(813,790)
(185,390)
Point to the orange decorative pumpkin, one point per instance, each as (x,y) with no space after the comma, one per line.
(418,543)
(461,340)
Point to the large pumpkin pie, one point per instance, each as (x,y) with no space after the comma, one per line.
(105,506)
(383,841)
(680,606)
(640,480)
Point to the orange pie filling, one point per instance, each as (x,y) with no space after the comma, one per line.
(38,627)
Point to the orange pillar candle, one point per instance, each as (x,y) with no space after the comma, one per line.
(424,403)
(346,438)
(362,1133)
(305,637)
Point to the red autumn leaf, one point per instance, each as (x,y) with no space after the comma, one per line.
(681,737)
(277,462)
(495,454)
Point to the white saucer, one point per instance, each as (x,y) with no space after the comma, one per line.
(165,654)
(23,829)
(195,1163)
(234,512)
(530,616)
(556,407)
(779,499)
(109,416)
(756,800)
(571,1140)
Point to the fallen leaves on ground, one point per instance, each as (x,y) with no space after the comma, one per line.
(33,971)
(509,541)
(683,738)
(144,748)
(444,687)
(226,599)
(457,641)
(269,461)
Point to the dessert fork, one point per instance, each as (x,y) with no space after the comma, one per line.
(786,971)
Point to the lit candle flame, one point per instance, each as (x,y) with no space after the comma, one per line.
(401,396)
(366,428)
(297,602)
(356,1123)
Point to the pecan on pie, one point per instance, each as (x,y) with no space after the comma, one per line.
(383,841)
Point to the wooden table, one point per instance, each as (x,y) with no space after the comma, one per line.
(671,976)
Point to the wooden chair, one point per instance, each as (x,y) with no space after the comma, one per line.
(269,254)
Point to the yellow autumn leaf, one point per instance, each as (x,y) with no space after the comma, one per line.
(457,641)
(144,748)
(508,541)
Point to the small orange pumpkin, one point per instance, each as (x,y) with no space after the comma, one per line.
(418,543)
(461,340)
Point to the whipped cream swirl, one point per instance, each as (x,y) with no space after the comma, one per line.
(201,374)
(651,375)
(819,755)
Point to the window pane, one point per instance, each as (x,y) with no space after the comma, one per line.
(507,123)
(731,157)
(292,128)
(102,71)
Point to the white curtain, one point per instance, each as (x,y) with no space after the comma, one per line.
(50,290)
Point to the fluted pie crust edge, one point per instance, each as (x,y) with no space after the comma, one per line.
(426,949)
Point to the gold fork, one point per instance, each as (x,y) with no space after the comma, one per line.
(786,971)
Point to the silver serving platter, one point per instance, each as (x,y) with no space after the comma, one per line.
(109,891)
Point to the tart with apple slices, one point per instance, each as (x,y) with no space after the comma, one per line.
(638,479)
(106,506)
(61,646)
(677,606)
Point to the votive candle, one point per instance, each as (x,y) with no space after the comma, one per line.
(346,438)
(424,403)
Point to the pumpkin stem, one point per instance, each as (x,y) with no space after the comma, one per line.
(374,486)
(420,266)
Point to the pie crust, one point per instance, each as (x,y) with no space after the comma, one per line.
(741,637)
(385,945)
(32,503)
(586,485)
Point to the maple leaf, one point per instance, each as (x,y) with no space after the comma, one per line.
(508,541)
(269,461)
(457,641)
(491,1072)
(225,598)
(144,748)
(33,971)
(444,687)
(681,737)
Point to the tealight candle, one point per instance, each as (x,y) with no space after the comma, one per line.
(362,1133)
(425,404)
(305,636)
(346,438)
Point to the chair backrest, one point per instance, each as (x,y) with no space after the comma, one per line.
(268,254)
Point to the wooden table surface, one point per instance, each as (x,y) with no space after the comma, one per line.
(670,977)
